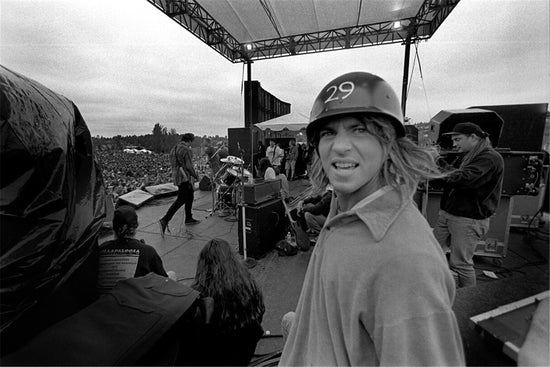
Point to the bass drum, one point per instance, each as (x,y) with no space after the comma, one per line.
(229,177)
(225,194)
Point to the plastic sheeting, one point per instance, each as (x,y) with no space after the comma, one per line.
(51,194)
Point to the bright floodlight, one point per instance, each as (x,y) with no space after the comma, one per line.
(397,24)
(248,47)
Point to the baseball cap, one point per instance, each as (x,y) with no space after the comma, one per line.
(467,128)
(125,214)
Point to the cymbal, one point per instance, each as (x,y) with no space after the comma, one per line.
(233,172)
(232,159)
(238,169)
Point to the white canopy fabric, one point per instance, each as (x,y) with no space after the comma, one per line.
(291,121)
(250,21)
(244,30)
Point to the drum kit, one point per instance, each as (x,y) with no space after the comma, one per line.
(227,185)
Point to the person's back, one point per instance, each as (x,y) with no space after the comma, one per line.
(125,257)
(231,336)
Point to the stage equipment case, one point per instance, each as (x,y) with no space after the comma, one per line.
(264,227)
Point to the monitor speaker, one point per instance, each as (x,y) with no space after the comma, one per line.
(524,125)
(264,227)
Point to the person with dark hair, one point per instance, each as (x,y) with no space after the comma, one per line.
(471,195)
(126,257)
(213,156)
(183,175)
(259,154)
(315,210)
(377,290)
(268,172)
(235,327)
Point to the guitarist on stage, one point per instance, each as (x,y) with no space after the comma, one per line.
(183,174)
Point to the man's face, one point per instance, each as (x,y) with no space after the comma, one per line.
(271,143)
(351,157)
(464,143)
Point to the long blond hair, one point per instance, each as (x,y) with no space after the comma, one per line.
(406,165)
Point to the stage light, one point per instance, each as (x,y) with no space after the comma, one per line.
(248,47)
(397,24)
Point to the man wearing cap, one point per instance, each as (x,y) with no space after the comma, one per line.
(470,197)
(183,175)
(126,257)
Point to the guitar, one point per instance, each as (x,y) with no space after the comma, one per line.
(302,239)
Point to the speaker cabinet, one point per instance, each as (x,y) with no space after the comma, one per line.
(524,125)
(264,227)
(260,192)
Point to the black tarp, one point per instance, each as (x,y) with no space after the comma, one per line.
(51,195)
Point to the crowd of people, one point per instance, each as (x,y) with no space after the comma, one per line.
(124,172)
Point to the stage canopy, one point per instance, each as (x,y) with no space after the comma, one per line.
(246,30)
(290,121)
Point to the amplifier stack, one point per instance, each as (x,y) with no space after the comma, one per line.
(261,191)
(264,227)
(264,218)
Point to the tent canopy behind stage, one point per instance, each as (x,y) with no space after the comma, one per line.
(293,121)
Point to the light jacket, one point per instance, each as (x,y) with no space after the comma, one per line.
(377,291)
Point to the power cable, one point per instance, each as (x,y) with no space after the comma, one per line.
(422,78)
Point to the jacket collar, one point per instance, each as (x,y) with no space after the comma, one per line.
(378,215)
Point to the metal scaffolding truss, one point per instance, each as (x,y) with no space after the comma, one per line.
(193,17)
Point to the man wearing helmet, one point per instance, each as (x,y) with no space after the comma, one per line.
(377,289)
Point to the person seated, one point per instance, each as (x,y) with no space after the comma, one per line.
(126,257)
(315,210)
(234,329)
(268,172)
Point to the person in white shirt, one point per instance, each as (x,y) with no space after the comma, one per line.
(275,154)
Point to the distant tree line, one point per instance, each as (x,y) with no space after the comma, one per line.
(160,141)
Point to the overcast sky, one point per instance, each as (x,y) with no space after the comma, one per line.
(127,66)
